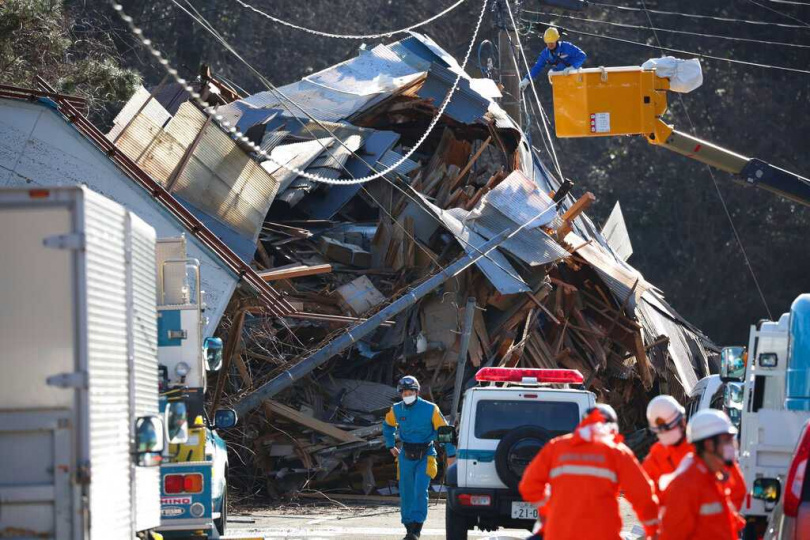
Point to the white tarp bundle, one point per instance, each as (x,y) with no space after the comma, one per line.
(684,75)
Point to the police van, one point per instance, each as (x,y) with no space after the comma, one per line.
(505,420)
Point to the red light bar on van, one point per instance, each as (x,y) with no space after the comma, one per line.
(529,375)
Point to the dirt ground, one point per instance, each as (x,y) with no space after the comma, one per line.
(346,520)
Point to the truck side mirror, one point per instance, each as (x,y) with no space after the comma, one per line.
(212,349)
(446,435)
(225,418)
(149,441)
(176,422)
(768,490)
(732,364)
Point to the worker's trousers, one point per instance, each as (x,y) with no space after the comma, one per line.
(414,481)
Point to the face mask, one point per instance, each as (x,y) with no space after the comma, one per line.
(671,437)
(729,454)
(409,399)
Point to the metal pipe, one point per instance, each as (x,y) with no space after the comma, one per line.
(705,152)
(469,313)
(356,333)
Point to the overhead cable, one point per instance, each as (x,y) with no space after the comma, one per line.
(696,16)
(681,51)
(349,36)
(717,187)
(673,31)
(785,15)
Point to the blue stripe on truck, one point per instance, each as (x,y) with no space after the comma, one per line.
(477,455)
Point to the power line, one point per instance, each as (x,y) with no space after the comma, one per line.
(791,2)
(696,16)
(681,51)
(717,187)
(348,36)
(791,17)
(673,31)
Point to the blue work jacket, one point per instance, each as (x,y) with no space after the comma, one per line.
(564,55)
(415,423)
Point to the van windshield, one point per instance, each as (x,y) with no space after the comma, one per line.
(495,418)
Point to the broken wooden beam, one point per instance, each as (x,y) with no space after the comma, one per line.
(572,213)
(294,271)
(312,423)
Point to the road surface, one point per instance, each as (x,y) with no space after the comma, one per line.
(347,521)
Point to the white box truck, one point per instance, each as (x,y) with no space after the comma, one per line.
(80,431)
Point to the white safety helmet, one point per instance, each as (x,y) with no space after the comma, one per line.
(709,423)
(664,413)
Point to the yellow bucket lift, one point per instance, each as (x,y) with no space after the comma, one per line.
(603,102)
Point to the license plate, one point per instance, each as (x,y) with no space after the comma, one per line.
(524,510)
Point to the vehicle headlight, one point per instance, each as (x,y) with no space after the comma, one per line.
(182,369)
(197,509)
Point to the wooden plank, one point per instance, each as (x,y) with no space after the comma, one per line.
(312,423)
(572,213)
(470,163)
(643,363)
(294,271)
(231,346)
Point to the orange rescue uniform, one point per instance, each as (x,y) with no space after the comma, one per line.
(585,471)
(699,505)
(663,460)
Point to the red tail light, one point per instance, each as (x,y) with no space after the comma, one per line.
(466,499)
(529,375)
(182,483)
(796,474)
(173,483)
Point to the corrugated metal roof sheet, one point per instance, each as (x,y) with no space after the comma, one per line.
(495,266)
(466,105)
(520,200)
(531,245)
(153,110)
(616,235)
(391,157)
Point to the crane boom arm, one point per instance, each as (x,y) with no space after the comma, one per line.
(750,171)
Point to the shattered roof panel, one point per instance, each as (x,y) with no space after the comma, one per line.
(531,245)
(466,105)
(153,110)
(371,72)
(521,200)
(391,157)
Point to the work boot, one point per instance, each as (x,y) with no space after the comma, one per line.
(410,535)
(417,529)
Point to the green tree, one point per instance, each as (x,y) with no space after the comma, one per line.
(77,56)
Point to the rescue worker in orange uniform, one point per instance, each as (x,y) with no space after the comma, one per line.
(666,419)
(698,501)
(576,478)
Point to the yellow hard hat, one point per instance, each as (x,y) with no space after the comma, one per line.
(551,35)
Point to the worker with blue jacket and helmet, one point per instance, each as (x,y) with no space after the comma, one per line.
(560,55)
(416,422)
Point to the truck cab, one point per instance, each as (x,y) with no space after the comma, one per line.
(505,421)
(194,473)
(769,430)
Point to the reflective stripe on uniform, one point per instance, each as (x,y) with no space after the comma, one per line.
(651,522)
(711,509)
(583,470)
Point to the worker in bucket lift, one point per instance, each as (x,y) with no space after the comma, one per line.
(666,418)
(698,501)
(560,55)
(416,421)
(575,481)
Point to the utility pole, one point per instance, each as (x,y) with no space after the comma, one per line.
(507,47)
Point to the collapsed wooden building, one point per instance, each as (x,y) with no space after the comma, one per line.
(541,286)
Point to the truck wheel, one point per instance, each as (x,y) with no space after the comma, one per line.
(222,521)
(516,450)
(455,524)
